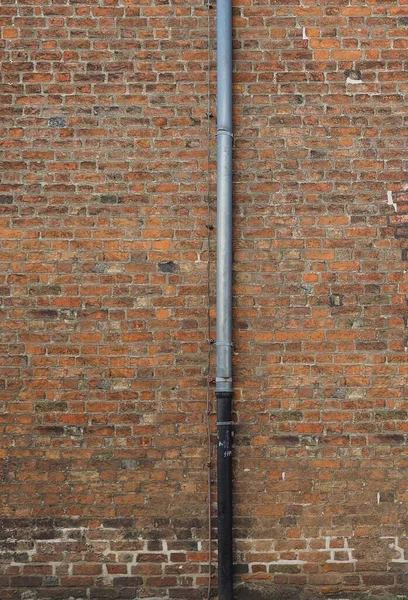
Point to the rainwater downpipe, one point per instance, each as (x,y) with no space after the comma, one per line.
(223,386)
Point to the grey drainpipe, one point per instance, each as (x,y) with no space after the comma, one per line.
(223,387)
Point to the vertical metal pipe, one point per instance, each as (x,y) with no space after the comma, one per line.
(223,388)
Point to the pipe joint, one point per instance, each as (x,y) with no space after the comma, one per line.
(223,394)
(223,386)
(222,131)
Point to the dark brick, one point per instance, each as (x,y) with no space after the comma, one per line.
(288,521)
(111,199)
(167,267)
(154,546)
(26,581)
(51,430)
(43,314)
(401,232)
(285,440)
(45,290)
(259,592)
(389,439)
(387,496)
(60,593)
(318,154)
(51,406)
(378,579)
(127,581)
(185,593)
(286,415)
(120,522)
(43,534)
(106,593)
(102,593)
(57,122)
(51,581)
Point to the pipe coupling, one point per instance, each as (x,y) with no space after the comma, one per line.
(224,132)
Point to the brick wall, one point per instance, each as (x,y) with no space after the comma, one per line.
(105,219)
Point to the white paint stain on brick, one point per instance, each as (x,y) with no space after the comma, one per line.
(336,548)
(353,81)
(394,544)
(344,549)
(390,200)
(295,561)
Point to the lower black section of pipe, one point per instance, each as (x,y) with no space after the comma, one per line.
(224,477)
